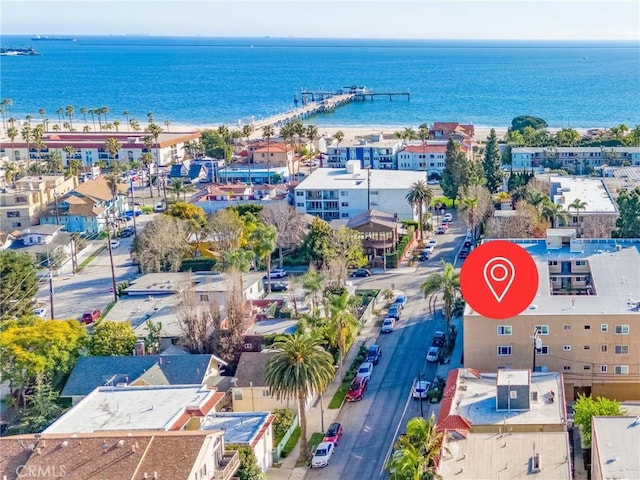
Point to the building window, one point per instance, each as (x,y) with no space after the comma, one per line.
(566,368)
(204,297)
(603,348)
(587,347)
(374,192)
(513,394)
(299,193)
(566,348)
(266,392)
(621,349)
(567,327)
(603,369)
(581,263)
(544,350)
(343,193)
(504,329)
(542,329)
(621,369)
(344,204)
(587,327)
(300,204)
(622,329)
(13,214)
(604,327)
(587,367)
(504,350)
(237,393)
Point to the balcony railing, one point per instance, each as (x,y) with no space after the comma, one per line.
(228,466)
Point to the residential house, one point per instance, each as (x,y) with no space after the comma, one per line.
(245,429)
(373,152)
(87,208)
(614,447)
(190,171)
(452,130)
(585,315)
(185,455)
(242,173)
(274,154)
(336,193)
(140,370)
(90,147)
(219,196)
(6,239)
(511,424)
(149,407)
(47,244)
(22,203)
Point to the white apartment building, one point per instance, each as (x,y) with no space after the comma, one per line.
(429,157)
(374,152)
(574,157)
(331,193)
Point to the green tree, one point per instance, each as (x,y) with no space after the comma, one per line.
(111,339)
(420,196)
(237,260)
(424,134)
(155,131)
(552,212)
(456,171)
(264,240)
(491,163)
(318,244)
(447,284)
(249,468)
(567,137)
(113,146)
(19,284)
(12,133)
(577,205)
(342,323)
(214,145)
(586,408)
(35,346)
(313,285)
(417,451)
(299,369)
(42,408)
(523,121)
(628,222)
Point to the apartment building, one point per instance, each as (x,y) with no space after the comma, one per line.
(430,157)
(574,158)
(583,322)
(333,193)
(90,147)
(373,151)
(22,203)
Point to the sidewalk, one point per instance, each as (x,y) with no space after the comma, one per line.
(287,469)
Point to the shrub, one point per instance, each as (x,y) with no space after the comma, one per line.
(199,264)
(282,422)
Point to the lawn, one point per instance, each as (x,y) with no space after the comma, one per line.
(293,439)
(338,397)
(448,203)
(90,258)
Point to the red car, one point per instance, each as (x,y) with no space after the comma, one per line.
(357,389)
(334,434)
(90,316)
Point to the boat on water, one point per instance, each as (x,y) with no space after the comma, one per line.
(16,52)
(47,38)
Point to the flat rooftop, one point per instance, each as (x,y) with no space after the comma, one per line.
(615,274)
(339,179)
(271,326)
(494,456)
(170,282)
(238,427)
(617,440)
(475,400)
(133,408)
(592,191)
(138,310)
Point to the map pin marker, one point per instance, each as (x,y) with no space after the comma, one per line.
(499,274)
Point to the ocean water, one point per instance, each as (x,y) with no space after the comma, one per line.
(200,80)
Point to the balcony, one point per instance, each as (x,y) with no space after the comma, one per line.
(228,466)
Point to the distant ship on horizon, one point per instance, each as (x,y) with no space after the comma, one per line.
(47,38)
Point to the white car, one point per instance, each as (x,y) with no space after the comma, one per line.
(447,217)
(322,455)
(420,389)
(115,243)
(365,370)
(388,324)
(432,243)
(278,273)
(40,312)
(433,354)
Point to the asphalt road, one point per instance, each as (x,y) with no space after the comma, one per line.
(372,424)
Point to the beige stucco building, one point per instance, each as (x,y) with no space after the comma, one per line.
(586,314)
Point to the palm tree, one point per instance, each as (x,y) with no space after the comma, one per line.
(85,129)
(70,111)
(104,111)
(54,162)
(313,284)
(84,111)
(75,167)
(177,187)
(405,135)
(42,113)
(469,208)
(311,133)
(299,369)
(423,135)
(135,125)
(447,283)
(126,116)
(417,451)
(38,135)
(552,211)
(4,108)
(247,130)
(92,112)
(577,205)
(339,136)
(268,132)
(27,136)
(10,171)
(116,124)
(12,133)
(342,321)
(60,112)
(537,199)
(69,150)
(264,240)
(155,131)
(419,195)
(166,124)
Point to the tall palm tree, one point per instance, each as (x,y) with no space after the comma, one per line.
(4,108)
(69,112)
(423,135)
(419,195)
(104,111)
(469,209)
(177,187)
(54,162)
(247,131)
(42,113)
(75,167)
(113,146)
(339,136)
(342,321)
(83,112)
(69,150)
(135,126)
(299,369)
(417,451)
(60,112)
(116,124)
(38,136)
(166,124)
(313,284)
(126,116)
(11,170)
(12,133)
(264,240)
(27,136)
(268,132)
(92,112)
(445,283)
(577,205)
(537,199)
(155,130)
(553,211)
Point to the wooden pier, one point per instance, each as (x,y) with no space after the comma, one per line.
(316,102)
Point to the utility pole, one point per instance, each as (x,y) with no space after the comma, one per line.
(133,207)
(368,188)
(113,272)
(50,281)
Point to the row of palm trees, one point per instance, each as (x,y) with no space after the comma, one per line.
(551,211)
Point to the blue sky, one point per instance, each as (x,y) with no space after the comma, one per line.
(469,19)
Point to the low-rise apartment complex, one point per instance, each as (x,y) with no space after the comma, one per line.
(586,315)
(574,158)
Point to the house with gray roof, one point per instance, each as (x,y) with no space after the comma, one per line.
(90,373)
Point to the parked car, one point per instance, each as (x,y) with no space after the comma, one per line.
(361,272)
(432,242)
(126,232)
(464,252)
(420,389)
(322,455)
(433,355)
(334,434)
(428,249)
(441,230)
(445,225)
(356,389)
(423,256)
(278,273)
(40,312)
(279,287)
(115,243)
(401,301)
(159,208)
(90,316)
(447,217)
(438,339)
(365,370)
(433,182)
(394,311)
(388,324)
(373,354)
